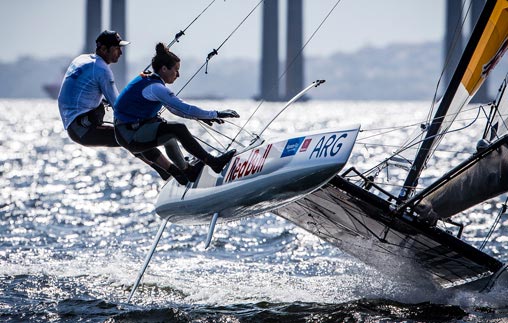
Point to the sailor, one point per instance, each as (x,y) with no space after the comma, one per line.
(87,80)
(139,128)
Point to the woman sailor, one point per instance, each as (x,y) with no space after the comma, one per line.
(138,127)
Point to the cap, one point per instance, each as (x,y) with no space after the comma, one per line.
(110,38)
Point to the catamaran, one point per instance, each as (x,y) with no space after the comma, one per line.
(298,179)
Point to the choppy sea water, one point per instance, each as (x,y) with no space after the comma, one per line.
(76,224)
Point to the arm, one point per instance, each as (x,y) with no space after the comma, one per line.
(159,92)
(107,85)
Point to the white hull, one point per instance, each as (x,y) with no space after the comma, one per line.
(260,178)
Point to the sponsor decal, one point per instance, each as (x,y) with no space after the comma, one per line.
(486,68)
(305,145)
(253,165)
(292,147)
(327,146)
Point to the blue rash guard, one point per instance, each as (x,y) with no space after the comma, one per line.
(144,96)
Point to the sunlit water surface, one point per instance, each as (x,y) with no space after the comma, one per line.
(76,224)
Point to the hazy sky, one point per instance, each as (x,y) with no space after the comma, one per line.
(56,27)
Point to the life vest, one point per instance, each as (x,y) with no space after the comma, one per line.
(131,106)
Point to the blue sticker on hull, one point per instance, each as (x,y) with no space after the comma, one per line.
(292,146)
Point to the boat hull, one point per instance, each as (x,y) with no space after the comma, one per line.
(259,179)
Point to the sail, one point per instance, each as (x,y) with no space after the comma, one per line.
(481,177)
(486,46)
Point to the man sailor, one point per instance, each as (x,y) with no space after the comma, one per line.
(87,80)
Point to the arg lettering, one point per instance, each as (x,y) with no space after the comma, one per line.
(327,146)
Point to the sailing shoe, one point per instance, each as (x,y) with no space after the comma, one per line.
(178,175)
(165,175)
(192,172)
(218,163)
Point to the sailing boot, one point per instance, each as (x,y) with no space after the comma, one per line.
(218,163)
(164,174)
(178,175)
(192,171)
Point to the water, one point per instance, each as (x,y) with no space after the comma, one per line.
(77,222)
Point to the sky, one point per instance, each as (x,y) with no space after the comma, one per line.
(51,28)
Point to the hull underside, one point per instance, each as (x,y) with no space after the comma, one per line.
(362,224)
(255,197)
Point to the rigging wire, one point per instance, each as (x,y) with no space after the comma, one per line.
(384,163)
(208,58)
(497,104)
(391,129)
(288,66)
(442,134)
(388,130)
(216,51)
(457,32)
(182,32)
(494,225)
(209,130)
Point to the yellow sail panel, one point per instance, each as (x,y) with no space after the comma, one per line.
(491,47)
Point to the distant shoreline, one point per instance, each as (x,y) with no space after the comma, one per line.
(394,72)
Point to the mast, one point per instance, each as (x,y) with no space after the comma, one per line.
(433,131)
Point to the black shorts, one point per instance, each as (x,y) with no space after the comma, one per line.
(92,135)
(89,129)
